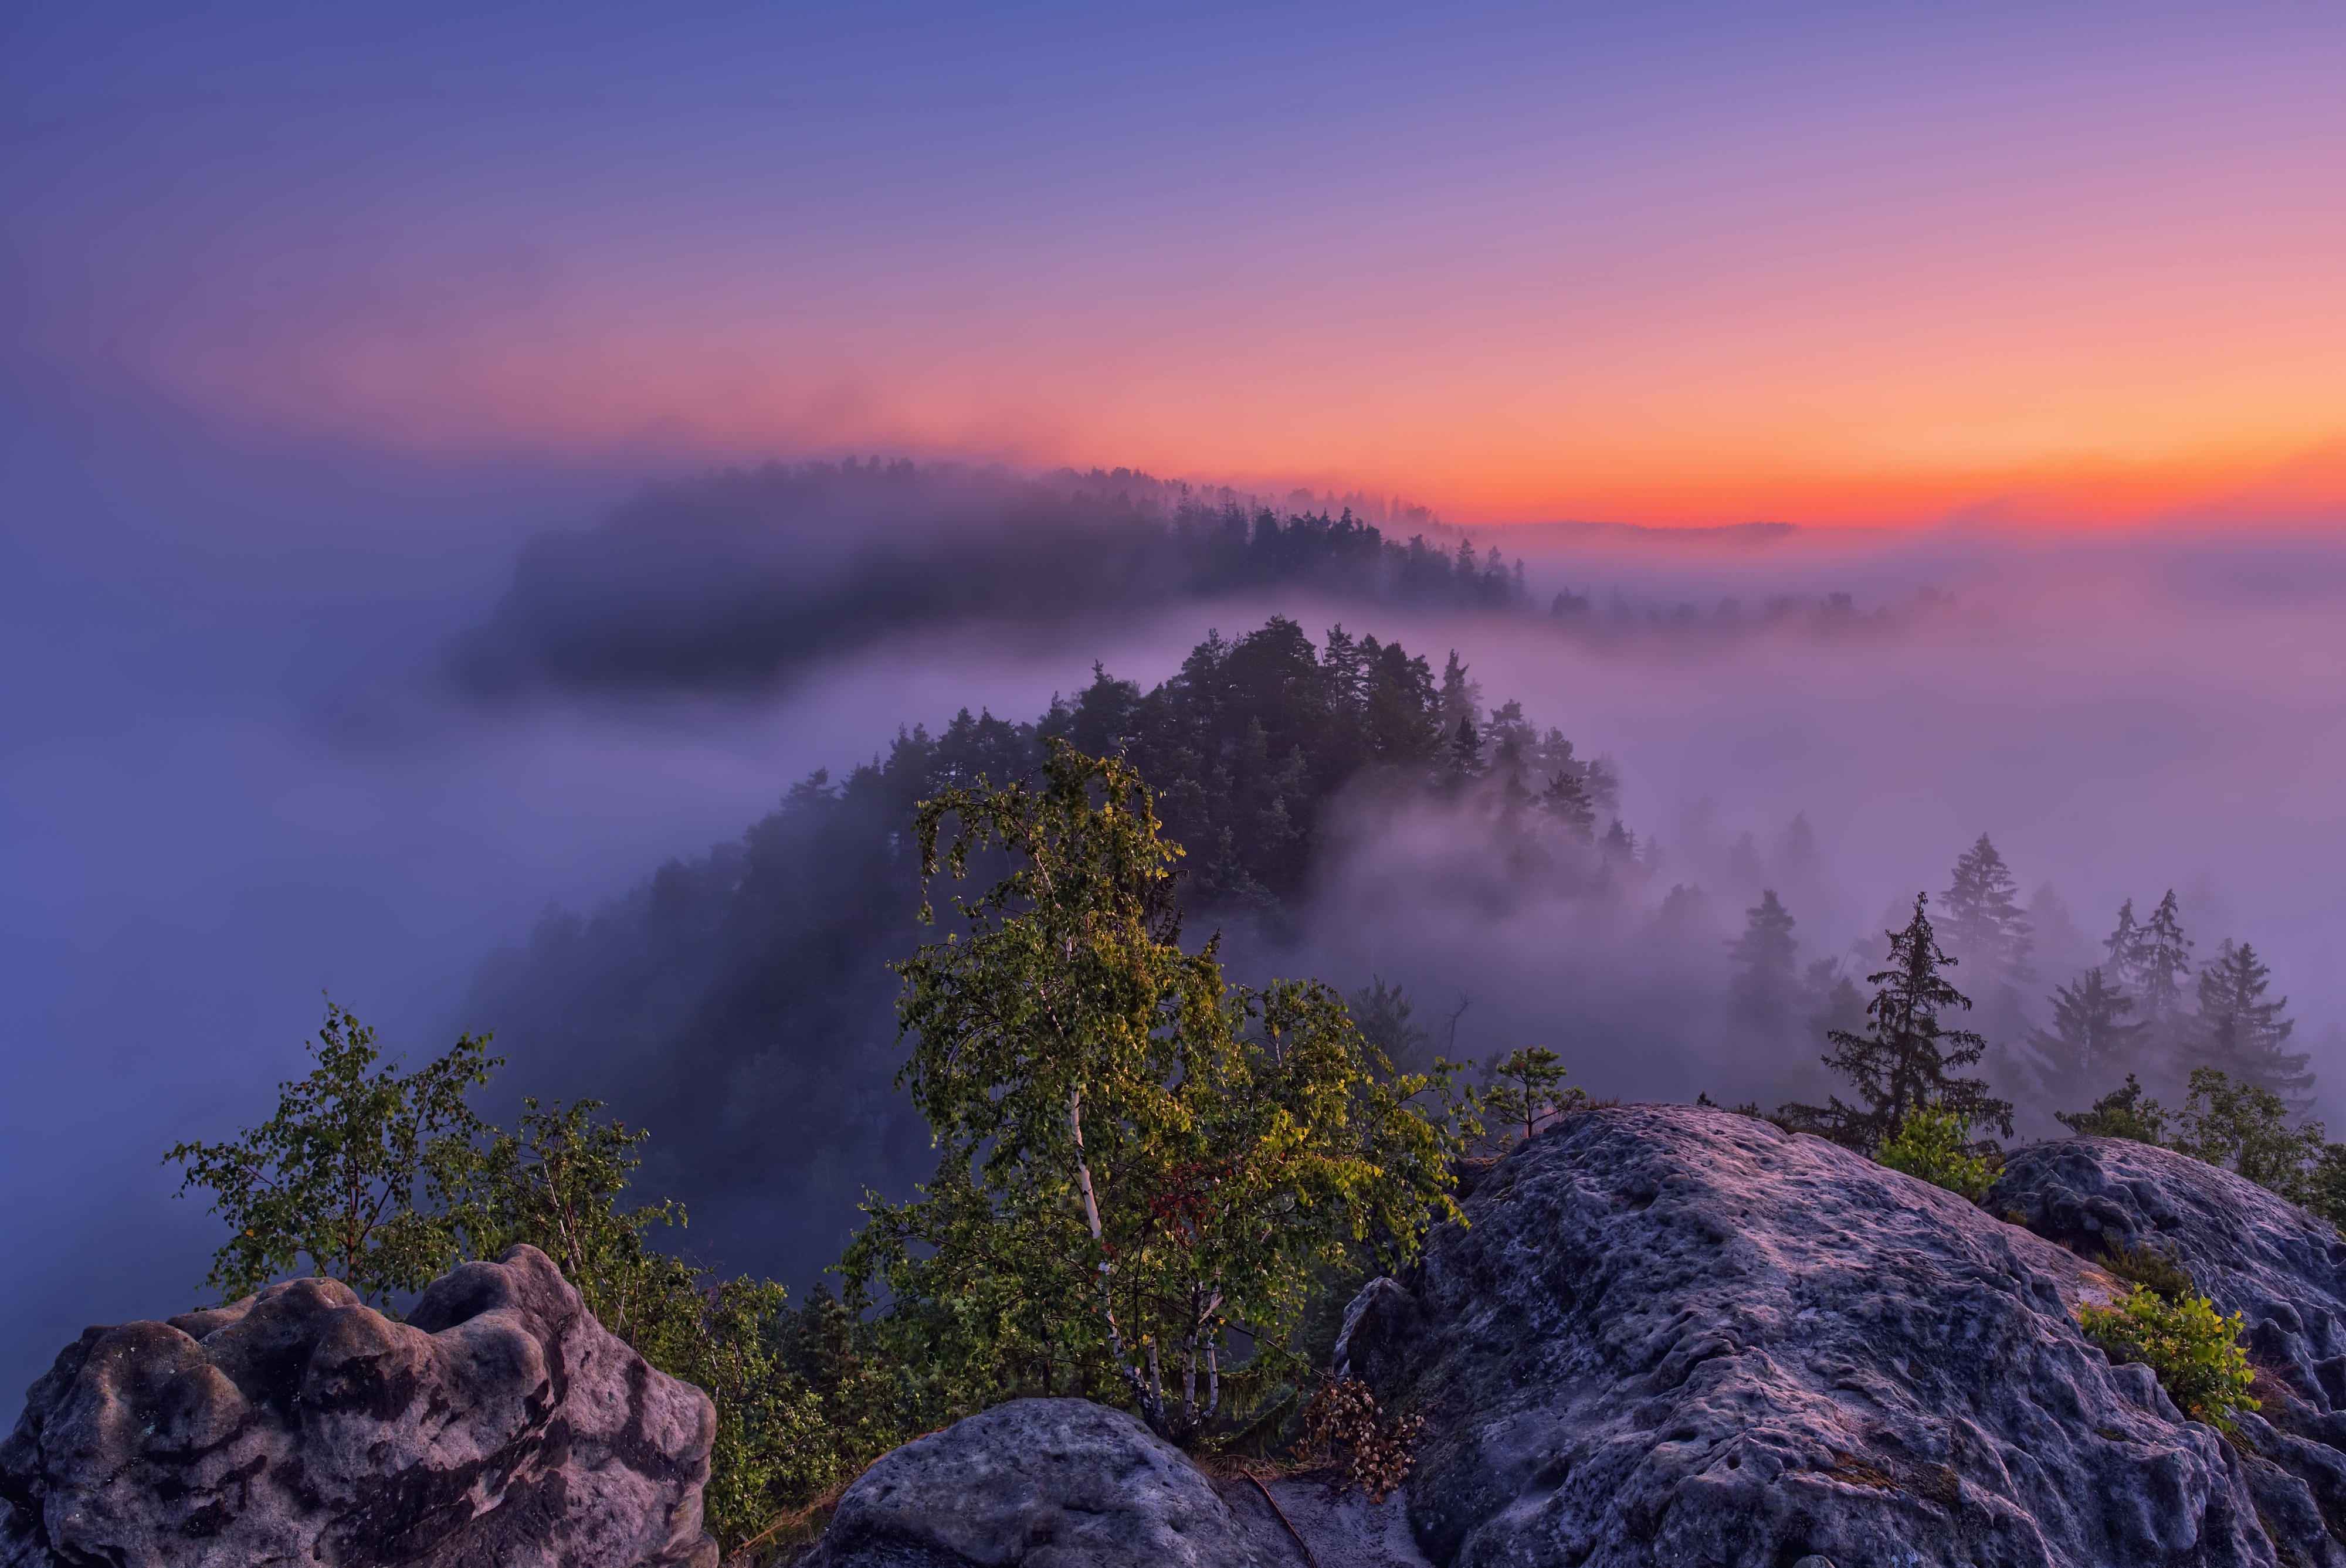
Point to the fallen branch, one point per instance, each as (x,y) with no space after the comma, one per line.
(1304,1545)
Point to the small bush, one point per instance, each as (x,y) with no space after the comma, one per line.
(2152,1269)
(1930,1145)
(1371,1453)
(2124,1113)
(2194,1350)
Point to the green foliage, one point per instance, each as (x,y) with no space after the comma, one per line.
(361,1170)
(2194,1350)
(385,1180)
(2327,1185)
(2243,1033)
(1932,1144)
(2124,1112)
(1522,1094)
(1138,1161)
(1903,1059)
(2245,1128)
(2152,1269)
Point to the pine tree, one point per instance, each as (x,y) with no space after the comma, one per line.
(2242,1034)
(1566,799)
(1465,751)
(1764,989)
(1460,699)
(2124,945)
(1900,1063)
(1985,923)
(2090,1044)
(2162,957)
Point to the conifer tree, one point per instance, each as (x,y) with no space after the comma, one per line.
(1901,1062)
(1566,799)
(1764,989)
(2162,957)
(2091,1043)
(1465,751)
(2243,1035)
(1460,699)
(1985,923)
(2123,946)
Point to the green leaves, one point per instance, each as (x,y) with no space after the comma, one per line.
(1904,1058)
(360,1171)
(1137,1162)
(384,1179)
(1524,1092)
(1933,1146)
(2194,1350)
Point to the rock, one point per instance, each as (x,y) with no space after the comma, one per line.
(499,1425)
(1676,1335)
(2250,1252)
(1046,1483)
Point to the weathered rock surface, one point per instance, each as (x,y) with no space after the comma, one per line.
(1681,1336)
(500,1425)
(2281,1269)
(1039,1483)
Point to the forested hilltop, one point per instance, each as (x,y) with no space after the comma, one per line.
(740,1003)
(739,581)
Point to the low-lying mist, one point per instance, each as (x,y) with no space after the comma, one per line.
(238,778)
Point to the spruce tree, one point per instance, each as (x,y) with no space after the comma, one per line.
(2123,946)
(1902,1061)
(1460,699)
(2091,1044)
(1566,799)
(2243,1035)
(1764,989)
(2162,957)
(1985,923)
(1465,751)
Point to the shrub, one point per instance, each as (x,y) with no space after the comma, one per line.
(2152,1269)
(2194,1350)
(1930,1145)
(1371,1453)
(2120,1114)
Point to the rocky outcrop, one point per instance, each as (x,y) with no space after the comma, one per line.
(1066,1483)
(499,1425)
(1048,1483)
(2281,1269)
(1672,1334)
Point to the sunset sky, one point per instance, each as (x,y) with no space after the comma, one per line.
(1823,263)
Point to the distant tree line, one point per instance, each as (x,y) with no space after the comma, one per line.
(740,580)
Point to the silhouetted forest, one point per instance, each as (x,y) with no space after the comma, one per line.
(736,582)
(732,581)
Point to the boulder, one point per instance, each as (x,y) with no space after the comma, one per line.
(499,1425)
(1673,1335)
(1037,1483)
(2250,1252)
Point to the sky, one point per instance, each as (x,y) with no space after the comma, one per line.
(310,316)
(1817,262)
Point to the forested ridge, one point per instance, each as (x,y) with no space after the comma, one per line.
(740,1004)
(739,581)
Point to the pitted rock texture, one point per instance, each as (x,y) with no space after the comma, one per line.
(1672,1334)
(499,1425)
(2281,1269)
(1037,1483)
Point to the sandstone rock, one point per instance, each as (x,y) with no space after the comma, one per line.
(1038,1483)
(2281,1269)
(1673,1335)
(499,1425)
